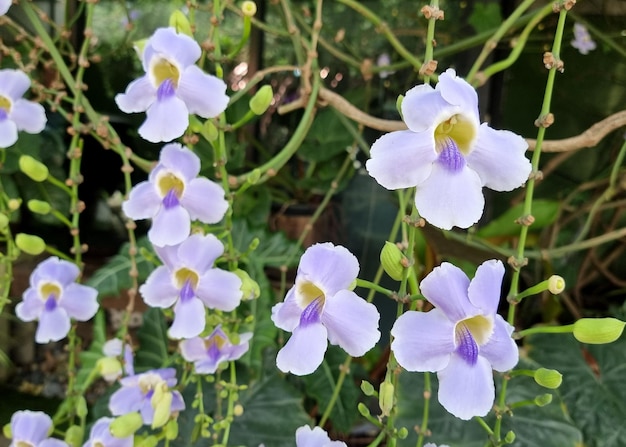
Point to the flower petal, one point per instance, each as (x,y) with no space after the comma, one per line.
(28,116)
(125,400)
(316,437)
(286,315)
(458,92)
(79,301)
(143,202)
(446,288)
(4,6)
(423,108)
(402,159)
(351,322)
(53,325)
(204,200)
(165,120)
(423,341)
(501,350)
(158,290)
(193,349)
(328,266)
(198,252)
(448,199)
(140,94)
(219,289)
(54,269)
(484,290)
(189,319)
(205,95)
(304,351)
(498,158)
(30,426)
(8,133)
(176,46)
(466,391)
(180,159)
(13,83)
(170,226)
(30,307)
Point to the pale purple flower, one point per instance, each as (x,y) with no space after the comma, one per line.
(32,428)
(100,436)
(115,348)
(174,195)
(4,6)
(207,353)
(320,306)
(447,154)
(582,40)
(316,437)
(462,339)
(53,298)
(383,61)
(137,392)
(17,113)
(172,88)
(189,282)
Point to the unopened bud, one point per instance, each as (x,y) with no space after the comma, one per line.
(238,410)
(543,399)
(81,407)
(248,8)
(33,168)
(403,433)
(548,378)
(148,441)
(385,398)
(363,409)
(38,206)
(6,431)
(14,204)
(556,284)
(209,131)
(399,104)
(180,23)
(391,258)
(598,331)
(4,221)
(162,409)
(261,100)
(171,430)
(126,425)
(509,438)
(74,436)
(249,287)
(109,368)
(31,244)
(367,388)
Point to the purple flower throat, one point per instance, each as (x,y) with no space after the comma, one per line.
(466,345)
(450,156)
(312,313)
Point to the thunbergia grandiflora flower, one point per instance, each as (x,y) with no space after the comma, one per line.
(100,436)
(582,39)
(32,428)
(150,394)
(53,298)
(172,88)
(4,6)
(462,339)
(17,113)
(447,154)
(315,437)
(174,195)
(322,305)
(209,352)
(189,282)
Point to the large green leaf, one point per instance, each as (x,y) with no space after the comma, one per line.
(153,341)
(593,384)
(326,138)
(274,249)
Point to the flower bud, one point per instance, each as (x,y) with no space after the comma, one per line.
(14,204)
(209,131)
(33,168)
(81,407)
(548,378)
(403,433)
(249,287)
(248,8)
(556,284)
(171,430)
(509,438)
(109,368)
(162,409)
(237,410)
(180,23)
(147,441)
(39,206)
(598,331)
(391,258)
(126,425)
(399,105)
(261,100)
(385,398)
(367,388)
(4,222)
(363,409)
(74,436)
(543,399)
(6,431)
(31,244)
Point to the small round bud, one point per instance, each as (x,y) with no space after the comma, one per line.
(6,431)
(31,244)
(556,284)
(543,399)
(14,204)
(403,433)
(598,331)
(367,388)
(81,407)
(249,287)
(385,398)
(4,222)
(74,436)
(548,378)
(509,438)
(391,258)
(238,410)
(171,430)
(209,131)
(148,441)
(33,168)
(126,425)
(363,409)
(109,368)
(248,8)
(38,206)
(261,100)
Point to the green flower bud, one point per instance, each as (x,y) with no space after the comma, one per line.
(33,168)
(249,287)
(556,284)
(367,388)
(543,399)
(363,409)
(126,425)
(14,204)
(148,441)
(261,100)
(109,368)
(399,105)
(403,433)
(162,407)
(139,46)
(180,23)
(509,438)
(209,131)
(385,398)
(4,221)
(81,407)
(74,436)
(598,331)
(391,258)
(248,8)
(31,244)
(548,378)
(171,430)
(6,431)
(237,410)
(254,177)
(39,206)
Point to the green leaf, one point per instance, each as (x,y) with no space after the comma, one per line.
(153,341)
(545,213)
(326,138)
(485,16)
(274,248)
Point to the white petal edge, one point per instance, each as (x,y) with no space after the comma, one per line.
(304,352)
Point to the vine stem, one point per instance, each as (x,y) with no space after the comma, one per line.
(343,372)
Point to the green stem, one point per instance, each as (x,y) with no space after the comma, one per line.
(424,426)
(374,286)
(566,329)
(430,38)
